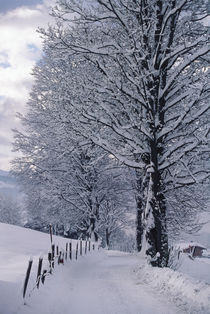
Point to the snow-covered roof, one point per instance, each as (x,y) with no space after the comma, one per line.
(185,245)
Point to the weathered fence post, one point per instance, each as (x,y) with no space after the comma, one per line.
(89,245)
(50,261)
(61,258)
(93,247)
(57,250)
(70,250)
(27,277)
(51,240)
(76,251)
(66,255)
(43,276)
(53,255)
(39,272)
(81,247)
(86,246)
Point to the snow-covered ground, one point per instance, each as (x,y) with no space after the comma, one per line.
(187,287)
(101,282)
(17,245)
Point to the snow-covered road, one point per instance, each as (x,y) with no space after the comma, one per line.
(103,283)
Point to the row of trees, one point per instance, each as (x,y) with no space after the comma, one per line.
(10,210)
(120,95)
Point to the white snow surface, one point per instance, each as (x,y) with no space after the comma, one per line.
(188,286)
(101,282)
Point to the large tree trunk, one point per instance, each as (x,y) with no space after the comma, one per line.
(92,229)
(139,205)
(107,237)
(156,234)
(94,216)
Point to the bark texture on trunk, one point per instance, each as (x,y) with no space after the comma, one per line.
(156,235)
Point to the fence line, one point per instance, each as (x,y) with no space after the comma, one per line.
(55,253)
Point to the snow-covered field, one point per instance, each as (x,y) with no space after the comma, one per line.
(104,282)
(17,245)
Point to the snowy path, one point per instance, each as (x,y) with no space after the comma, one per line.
(103,283)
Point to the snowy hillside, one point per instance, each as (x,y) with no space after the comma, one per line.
(17,245)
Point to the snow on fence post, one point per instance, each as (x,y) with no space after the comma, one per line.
(86,246)
(66,254)
(27,277)
(70,250)
(81,247)
(39,272)
(43,276)
(76,251)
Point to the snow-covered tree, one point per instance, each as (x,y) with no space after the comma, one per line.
(10,210)
(113,218)
(138,89)
(66,178)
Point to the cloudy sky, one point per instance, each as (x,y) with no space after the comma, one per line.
(20,48)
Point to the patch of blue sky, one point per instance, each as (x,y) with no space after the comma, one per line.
(33,48)
(7,5)
(35,51)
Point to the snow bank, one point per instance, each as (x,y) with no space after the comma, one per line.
(190,293)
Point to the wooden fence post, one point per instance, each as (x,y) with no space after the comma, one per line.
(57,250)
(51,234)
(53,255)
(86,246)
(89,245)
(27,277)
(39,272)
(76,250)
(43,276)
(93,247)
(61,258)
(70,250)
(66,251)
(81,247)
(50,261)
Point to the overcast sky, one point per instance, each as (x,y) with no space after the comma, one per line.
(20,48)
